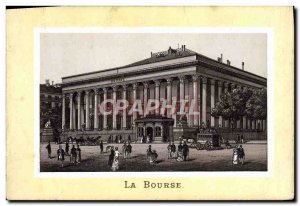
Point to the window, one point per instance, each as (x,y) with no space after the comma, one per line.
(157,131)
(140,131)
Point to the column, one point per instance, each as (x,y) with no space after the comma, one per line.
(238,122)
(79,111)
(264,125)
(134,115)
(219,99)
(249,123)
(96,115)
(87,110)
(125,110)
(63,111)
(146,85)
(253,124)
(157,91)
(71,111)
(226,90)
(105,107)
(195,94)
(212,101)
(114,107)
(244,122)
(181,87)
(204,82)
(169,96)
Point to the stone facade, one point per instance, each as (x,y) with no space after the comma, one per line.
(175,74)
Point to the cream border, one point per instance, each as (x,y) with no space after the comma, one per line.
(21,183)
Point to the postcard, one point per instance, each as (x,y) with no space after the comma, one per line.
(150,103)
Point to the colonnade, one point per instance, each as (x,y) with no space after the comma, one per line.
(187,87)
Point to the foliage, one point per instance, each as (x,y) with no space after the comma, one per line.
(232,104)
(242,102)
(256,107)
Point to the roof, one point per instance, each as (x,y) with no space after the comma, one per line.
(51,89)
(163,56)
(169,55)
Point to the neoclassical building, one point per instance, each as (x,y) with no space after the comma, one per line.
(172,75)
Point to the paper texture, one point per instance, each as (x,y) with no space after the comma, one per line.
(22,182)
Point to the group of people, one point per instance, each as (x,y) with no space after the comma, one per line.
(182,151)
(118,139)
(75,153)
(238,155)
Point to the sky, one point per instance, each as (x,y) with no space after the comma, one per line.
(65,54)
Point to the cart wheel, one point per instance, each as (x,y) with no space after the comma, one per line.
(208,145)
(200,146)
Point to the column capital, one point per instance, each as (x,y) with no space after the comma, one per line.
(204,80)
(135,85)
(146,85)
(181,78)
(220,83)
(226,84)
(212,81)
(71,94)
(195,77)
(115,87)
(96,90)
(169,81)
(157,82)
(105,89)
(87,92)
(125,86)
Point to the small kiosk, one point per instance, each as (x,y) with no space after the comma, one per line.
(154,128)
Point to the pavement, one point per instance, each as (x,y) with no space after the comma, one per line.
(198,160)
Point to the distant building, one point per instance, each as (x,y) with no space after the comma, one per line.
(50,104)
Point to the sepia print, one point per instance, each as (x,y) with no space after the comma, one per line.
(140,102)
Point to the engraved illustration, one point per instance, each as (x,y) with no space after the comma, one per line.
(182,107)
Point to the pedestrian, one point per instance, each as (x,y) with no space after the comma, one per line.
(185,151)
(111,157)
(180,152)
(129,138)
(241,154)
(149,151)
(48,147)
(235,156)
(78,154)
(242,139)
(61,156)
(173,150)
(73,155)
(67,148)
(128,150)
(101,146)
(153,157)
(123,149)
(169,150)
(115,164)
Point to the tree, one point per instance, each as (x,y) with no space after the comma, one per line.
(232,105)
(256,107)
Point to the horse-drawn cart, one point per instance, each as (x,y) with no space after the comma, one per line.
(207,141)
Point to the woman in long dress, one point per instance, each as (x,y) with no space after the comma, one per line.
(235,159)
(115,164)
